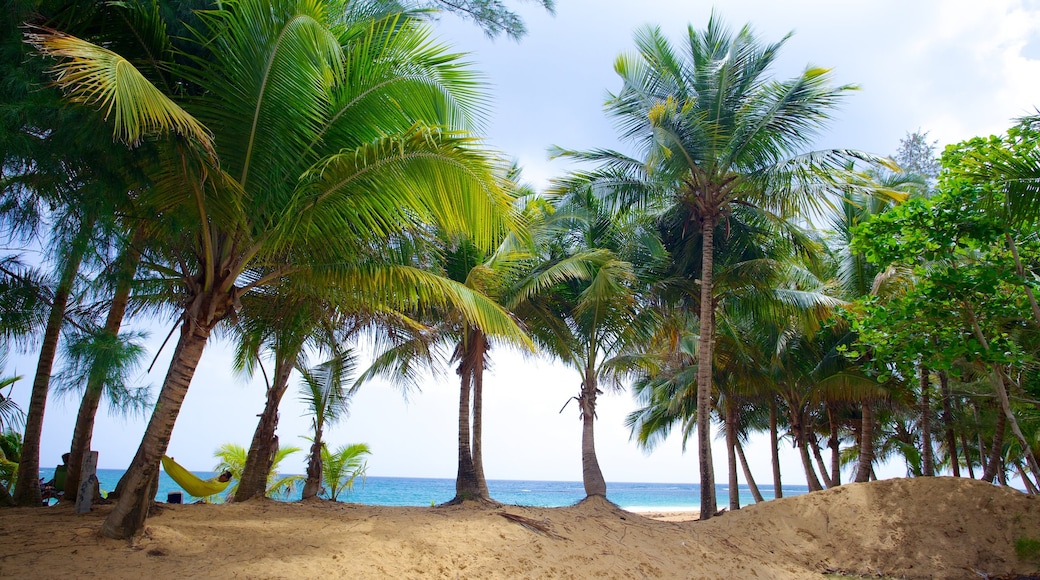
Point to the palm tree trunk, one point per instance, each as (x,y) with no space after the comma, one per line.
(967,457)
(83,433)
(138,486)
(927,457)
(747,475)
(818,455)
(312,485)
(834,445)
(478,429)
(993,461)
(705,361)
(466,480)
(866,444)
(983,458)
(774,444)
(947,419)
(731,454)
(262,450)
(798,430)
(1030,487)
(468,484)
(27,487)
(591,475)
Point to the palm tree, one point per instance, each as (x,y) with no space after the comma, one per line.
(328,401)
(590,323)
(285,159)
(714,131)
(341,468)
(233,458)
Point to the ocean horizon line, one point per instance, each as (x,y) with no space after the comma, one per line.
(429,491)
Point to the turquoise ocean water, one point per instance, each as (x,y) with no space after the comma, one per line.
(409,491)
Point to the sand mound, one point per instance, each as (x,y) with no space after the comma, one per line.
(921,528)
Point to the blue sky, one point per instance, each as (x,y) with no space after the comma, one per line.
(954,68)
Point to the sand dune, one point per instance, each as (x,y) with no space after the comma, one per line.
(920,528)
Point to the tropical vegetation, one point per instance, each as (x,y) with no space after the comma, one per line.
(307,179)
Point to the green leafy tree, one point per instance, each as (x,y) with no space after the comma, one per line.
(973,294)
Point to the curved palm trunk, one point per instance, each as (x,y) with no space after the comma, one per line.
(312,485)
(927,455)
(774,444)
(83,433)
(818,455)
(866,444)
(262,450)
(731,456)
(747,474)
(27,487)
(801,441)
(705,359)
(137,488)
(591,474)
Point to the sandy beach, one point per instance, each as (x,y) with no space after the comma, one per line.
(920,528)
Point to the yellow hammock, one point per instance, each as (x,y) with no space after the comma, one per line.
(191,482)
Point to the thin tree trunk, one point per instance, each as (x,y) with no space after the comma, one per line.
(137,487)
(993,461)
(774,443)
(866,444)
(1030,487)
(731,454)
(591,474)
(818,455)
(947,419)
(997,378)
(705,361)
(755,493)
(1022,274)
(312,485)
(967,456)
(834,444)
(264,446)
(478,418)
(465,480)
(798,429)
(468,484)
(27,487)
(83,433)
(983,458)
(927,458)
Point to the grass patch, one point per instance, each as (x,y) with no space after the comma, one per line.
(1028,550)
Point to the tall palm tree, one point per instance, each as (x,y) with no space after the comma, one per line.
(291,135)
(590,323)
(713,130)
